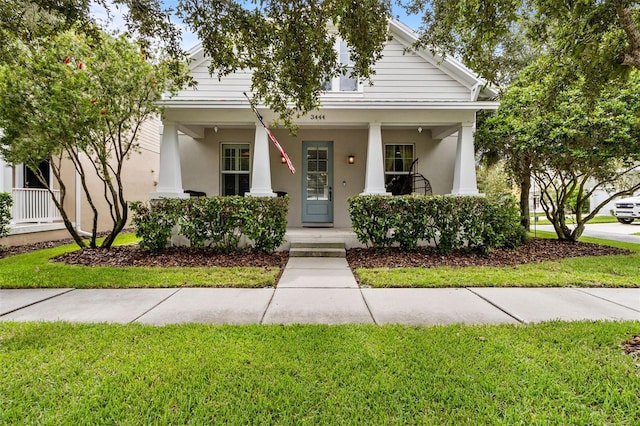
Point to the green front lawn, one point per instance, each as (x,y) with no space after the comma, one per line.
(600,271)
(552,373)
(36,270)
(542,219)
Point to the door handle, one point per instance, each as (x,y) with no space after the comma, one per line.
(330,193)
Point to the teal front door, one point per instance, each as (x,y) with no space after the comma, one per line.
(317,182)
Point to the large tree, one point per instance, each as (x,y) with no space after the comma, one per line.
(289,44)
(571,145)
(601,38)
(25,21)
(78,100)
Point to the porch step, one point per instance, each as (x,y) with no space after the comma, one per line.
(317,249)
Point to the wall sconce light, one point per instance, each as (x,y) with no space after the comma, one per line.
(283,160)
(419,129)
(215,129)
(351,159)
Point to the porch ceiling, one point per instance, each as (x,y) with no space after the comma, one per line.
(193,121)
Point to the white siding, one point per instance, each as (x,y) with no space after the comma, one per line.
(149,135)
(399,76)
(210,88)
(407,76)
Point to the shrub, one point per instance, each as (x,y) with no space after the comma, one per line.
(154,222)
(265,221)
(5,213)
(213,222)
(448,222)
(371,220)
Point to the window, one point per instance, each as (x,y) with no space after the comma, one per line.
(344,82)
(397,164)
(31,178)
(236,162)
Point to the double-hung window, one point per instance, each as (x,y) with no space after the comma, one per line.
(344,82)
(236,160)
(397,165)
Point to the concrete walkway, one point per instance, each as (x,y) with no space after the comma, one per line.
(320,291)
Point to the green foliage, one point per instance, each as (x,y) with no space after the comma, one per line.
(494,181)
(450,223)
(572,144)
(288,45)
(5,213)
(24,22)
(266,221)
(599,40)
(79,101)
(488,35)
(154,222)
(213,222)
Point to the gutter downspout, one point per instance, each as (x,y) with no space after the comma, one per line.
(78,206)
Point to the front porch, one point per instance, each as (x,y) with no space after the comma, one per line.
(336,154)
(34,217)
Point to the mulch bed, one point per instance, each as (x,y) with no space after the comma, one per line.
(632,346)
(6,251)
(133,256)
(534,250)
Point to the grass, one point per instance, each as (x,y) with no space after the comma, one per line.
(542,220)
(35,270)
(597,271)
(550,373)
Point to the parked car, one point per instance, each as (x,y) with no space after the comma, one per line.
(627,209)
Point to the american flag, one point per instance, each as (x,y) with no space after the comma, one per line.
(273,138)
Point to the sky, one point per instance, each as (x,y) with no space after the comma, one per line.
(189,39)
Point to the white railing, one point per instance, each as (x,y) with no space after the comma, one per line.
(34,206)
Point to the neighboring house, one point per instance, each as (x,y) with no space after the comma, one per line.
(34,215)
(362,140)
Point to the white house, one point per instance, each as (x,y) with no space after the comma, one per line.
(362,140)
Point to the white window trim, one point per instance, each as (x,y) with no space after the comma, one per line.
(223,171)
(413,145)
(335,82)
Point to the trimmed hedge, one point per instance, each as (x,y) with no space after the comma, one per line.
(448,222)
(212,222)
(5,213)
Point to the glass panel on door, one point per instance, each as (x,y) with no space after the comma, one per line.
(317,173)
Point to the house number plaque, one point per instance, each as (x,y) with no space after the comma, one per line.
(317,116)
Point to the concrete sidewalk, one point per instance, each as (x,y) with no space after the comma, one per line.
(320,291)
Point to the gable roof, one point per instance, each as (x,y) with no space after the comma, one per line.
(467,85)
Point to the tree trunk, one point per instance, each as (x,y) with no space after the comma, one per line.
(625,15)
(525,187)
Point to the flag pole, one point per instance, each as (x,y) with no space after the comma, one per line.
(271,136)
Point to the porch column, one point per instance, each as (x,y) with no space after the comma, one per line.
(170,173)
(374,175)
(464,175)
(261,174)
(5,177)
(6,171)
